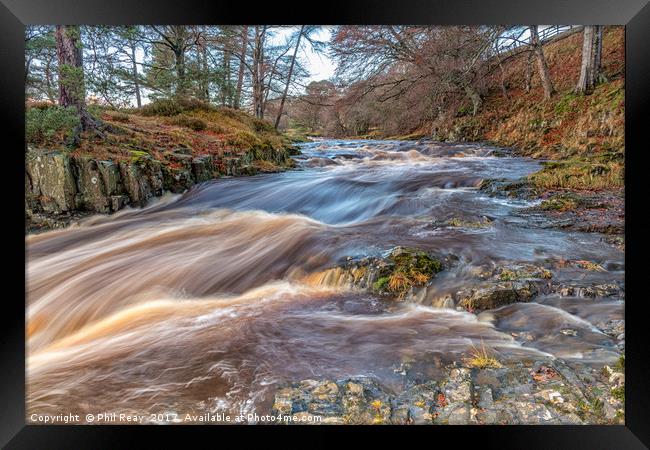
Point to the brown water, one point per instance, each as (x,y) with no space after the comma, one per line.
(199,303)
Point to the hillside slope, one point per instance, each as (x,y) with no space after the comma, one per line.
(139,154)
(585,132)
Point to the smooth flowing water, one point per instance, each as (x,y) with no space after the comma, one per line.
(203,302)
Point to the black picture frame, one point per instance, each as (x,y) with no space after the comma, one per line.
(15,14)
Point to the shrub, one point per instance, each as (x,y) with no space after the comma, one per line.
(193,123)
(41,105)
(243,139)
(162,107)
(51,125)
(172,106)
(262,125)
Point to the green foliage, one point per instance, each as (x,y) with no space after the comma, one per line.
(50,125)
(568,103)
(619,393)
(380,284)
(620,364)
(72,79)
(262,125)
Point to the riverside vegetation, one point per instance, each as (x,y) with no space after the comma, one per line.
(463,268)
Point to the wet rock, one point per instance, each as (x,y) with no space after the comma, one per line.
(495,294)
(402,273)
(535,392)
(202,168)
(503,187)
(349,401)
(589,291)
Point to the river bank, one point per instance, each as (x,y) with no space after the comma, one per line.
(166,146)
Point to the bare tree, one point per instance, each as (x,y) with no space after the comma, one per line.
(288,82)
(547,84)
(591,56)
(258,70)
(528,75)
(242,66)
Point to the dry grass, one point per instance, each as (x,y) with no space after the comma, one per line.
(161,127)
(582,173)
(567,125)
(481,358)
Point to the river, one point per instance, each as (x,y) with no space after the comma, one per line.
(202,302)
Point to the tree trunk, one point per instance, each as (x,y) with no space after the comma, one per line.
(504,87)
(205,76)
(475,97)
(72,91)
(240,75)
(598,54)
(528,76)
(136,80)
(286,86)
(585,82)
(226,78)
(258,72)
(544,75)
(179,64)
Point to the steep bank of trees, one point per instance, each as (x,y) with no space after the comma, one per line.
(393,80)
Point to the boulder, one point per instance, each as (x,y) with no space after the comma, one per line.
(51,181)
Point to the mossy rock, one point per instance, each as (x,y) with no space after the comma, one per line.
(405,269)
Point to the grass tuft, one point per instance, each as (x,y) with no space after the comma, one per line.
(481,358)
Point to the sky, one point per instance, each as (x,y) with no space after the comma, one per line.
(320,66)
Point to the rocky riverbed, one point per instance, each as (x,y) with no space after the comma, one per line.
(382,282)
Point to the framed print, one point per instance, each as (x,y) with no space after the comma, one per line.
(373,218)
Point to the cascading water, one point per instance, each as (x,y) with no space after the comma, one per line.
(204,302)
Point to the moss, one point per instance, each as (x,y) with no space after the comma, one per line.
(138,156)
(561,202)
(620,364)
(461,223)
(407,268)
(619,393)
(380,284)
(507,275)
(410,260)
